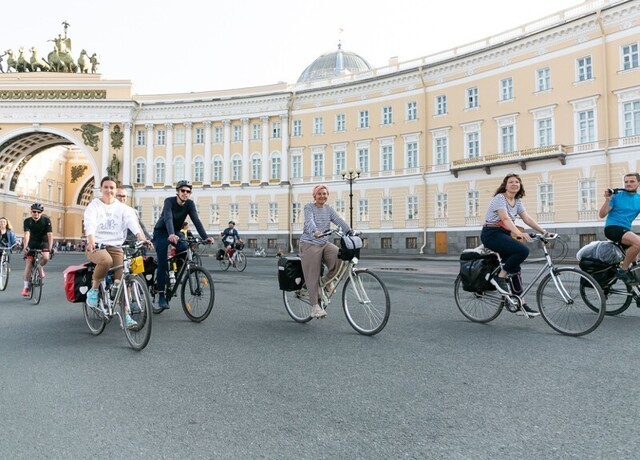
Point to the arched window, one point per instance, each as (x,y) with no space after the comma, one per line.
(160,171)
(198,169)
(236,168)
(256,167)
(178,169)
(275,166)
(140,171)
(217,169)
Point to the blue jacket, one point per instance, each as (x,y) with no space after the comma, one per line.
(10,239)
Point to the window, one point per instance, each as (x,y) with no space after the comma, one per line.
(587,238)
(387,208)
(156,211)
(179,136)
(507,139)
(411,242)
(340,162)
(363,210)
(161,137)
(412,207)
(363,119)
(473,203)
(199,136)
(472,144)
(178,169)
(256,167)
(296,213)
(385,243)
(198,169)
(545,198)
(318,125)
(584,69)
(272,243)
(631,116)
(543,79)
(297,128)
(544,133)
(217,135)
(586,126)
(236,168)
(275,130)
(472,98)
(441,105)
(275,166)
(140,171)
(587,192)
(237,133)
(441,205)
(506,89)
(273,213)
(217,169)
(387,115)
(387,158)
(296,166)
(160,171)
(214,214)
(341,123)
(141,137)
(59,194)
(363,159)
(472,241)
(318,164)
(234,212)
(253,213)
(411,154)
(255,131)
(412,111)
(630,56)
(340,208)
(441,150)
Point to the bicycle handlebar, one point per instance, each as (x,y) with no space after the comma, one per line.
(339,232)
(544,237)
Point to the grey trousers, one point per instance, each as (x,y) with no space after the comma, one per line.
(312,255)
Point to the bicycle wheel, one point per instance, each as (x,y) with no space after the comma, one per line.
(139,309)
(197,294)
(241,261)
(479,307)
(4,273)
(563,306)
(224,263)
(366,303)
(36,286)
(297,305)
(95,322)
(618,297)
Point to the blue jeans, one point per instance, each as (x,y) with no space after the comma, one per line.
(512,252)
(161,242)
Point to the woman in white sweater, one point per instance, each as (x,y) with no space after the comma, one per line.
(106,221)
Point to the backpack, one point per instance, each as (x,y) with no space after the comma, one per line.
(77,282)
(474,268)
(290,276)
(349,247)
(602,272)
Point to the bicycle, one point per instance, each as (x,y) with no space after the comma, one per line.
(560,296)
(197,292)
(116,299)
(35,277)
(238,260)
(4,266)
(365,299)
(259,252)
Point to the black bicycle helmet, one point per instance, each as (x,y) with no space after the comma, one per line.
(37,207)
(231,222)
(184,183)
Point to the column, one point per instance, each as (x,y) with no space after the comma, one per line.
(188,160)
(149,166)
(168,176)
(126,159)
(226,156)
(207,153)
(246,166)
(105,150)
(284,161)
(265,150)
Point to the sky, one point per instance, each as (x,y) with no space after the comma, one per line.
(206,45)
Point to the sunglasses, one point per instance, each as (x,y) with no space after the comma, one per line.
(121,196)
(185,190)
(36,212)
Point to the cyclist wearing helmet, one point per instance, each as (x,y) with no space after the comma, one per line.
(230,240)
(38,234)
(175,211)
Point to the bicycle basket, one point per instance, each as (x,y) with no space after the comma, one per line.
(137,265)
(349,247)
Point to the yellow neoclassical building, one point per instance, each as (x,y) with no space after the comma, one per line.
(427,141)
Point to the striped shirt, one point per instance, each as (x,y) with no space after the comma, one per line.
(500,202)
(317,220)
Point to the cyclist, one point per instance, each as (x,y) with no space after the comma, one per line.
(121,195)
(621,209)
(504,207)
(230,238)
(7,236)
(106,220)
(175,211)
(38,234)
(316,248)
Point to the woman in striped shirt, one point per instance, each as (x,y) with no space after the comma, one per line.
(316,248)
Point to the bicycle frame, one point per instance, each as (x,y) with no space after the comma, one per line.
(184,270)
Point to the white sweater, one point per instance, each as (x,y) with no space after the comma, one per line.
(108,223)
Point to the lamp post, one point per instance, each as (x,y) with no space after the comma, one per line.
(350,176)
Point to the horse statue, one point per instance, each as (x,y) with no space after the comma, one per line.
(83,62)
(23,64)
(37,63)
(11,61)
(62,62)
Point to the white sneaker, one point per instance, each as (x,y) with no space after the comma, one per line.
(318,312)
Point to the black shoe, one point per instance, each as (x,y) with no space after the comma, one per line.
(626,277)
(501,284)
(530,311)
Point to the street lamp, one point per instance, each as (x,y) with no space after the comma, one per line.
(350,176)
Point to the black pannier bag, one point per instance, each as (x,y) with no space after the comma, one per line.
(77,282)
(601,271)
(220,254)
(474,268)
(290,276)
(349,247)
(150,266)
